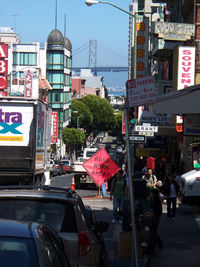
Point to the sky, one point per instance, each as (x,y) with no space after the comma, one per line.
(34,20)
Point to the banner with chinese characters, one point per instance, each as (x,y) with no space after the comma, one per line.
(142,48)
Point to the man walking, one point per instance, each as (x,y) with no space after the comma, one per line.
(117,193)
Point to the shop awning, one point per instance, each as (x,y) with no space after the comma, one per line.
(185,101)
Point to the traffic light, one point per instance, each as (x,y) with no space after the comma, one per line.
(132,116)
(131,119)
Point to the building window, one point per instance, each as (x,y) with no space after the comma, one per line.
(67,80)
(24,58)
(55,61)
(56,78)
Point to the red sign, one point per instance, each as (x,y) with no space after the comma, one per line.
(3,82)
(2,93)
(3,50)
(3,66)
(101,167)
(123,124)
(28,84)
(54,127)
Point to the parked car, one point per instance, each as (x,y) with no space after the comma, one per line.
(27,244)
(63,210)
(53,169)
(95,226)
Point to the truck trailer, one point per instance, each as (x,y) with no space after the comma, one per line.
(25,141)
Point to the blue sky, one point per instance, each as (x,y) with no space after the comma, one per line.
(34,20)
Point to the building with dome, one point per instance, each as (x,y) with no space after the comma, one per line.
(58,71)
(50,64)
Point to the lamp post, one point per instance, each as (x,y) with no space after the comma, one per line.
(134,256)
(77,125)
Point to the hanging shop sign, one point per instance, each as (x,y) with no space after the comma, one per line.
(142,29)
(28,83)
(174,31)
(191,125)
(160,119)
(186,67)
(141,91)
(54,127)
(3,67)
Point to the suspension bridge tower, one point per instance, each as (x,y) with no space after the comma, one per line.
(93,56)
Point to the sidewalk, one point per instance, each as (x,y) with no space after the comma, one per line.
(181,238)
(103,211)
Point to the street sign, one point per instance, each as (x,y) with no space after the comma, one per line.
(101,166)
(146,128)
(149,134)
(137,139)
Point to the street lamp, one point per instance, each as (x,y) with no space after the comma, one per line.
(92,2)
(78,121)
(134,256)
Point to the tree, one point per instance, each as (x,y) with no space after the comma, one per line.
(81,110)
(104,119)
(117,130)
(73,138)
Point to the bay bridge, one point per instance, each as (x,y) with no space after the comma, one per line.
(102,69)
(92,45)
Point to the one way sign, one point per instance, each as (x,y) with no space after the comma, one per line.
(137,139)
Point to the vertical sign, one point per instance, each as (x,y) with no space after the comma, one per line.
(54,131)
(142,49)
(123,124)
(186,66)
(3,68)
(28,83)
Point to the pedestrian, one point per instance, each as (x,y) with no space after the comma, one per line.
(117,194)
(150,179)
(171,191)
(177,178)
(104,188)
(156,206)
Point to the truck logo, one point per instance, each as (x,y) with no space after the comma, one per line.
(6,118)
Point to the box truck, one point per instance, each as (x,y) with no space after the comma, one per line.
(25,141)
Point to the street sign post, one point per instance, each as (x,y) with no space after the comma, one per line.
(146,128)
(137,139)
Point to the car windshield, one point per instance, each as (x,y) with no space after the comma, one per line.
(66,162)
(90,153)
(18,252)
(60,216)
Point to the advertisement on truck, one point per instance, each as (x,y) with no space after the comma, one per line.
(14,122)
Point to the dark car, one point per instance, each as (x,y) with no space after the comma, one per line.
(59,167)
(63,210)
(98,227)
(27,244)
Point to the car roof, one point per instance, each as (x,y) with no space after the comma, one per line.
(47,192)
(11,228)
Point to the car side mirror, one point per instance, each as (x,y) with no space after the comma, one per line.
(101,226)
